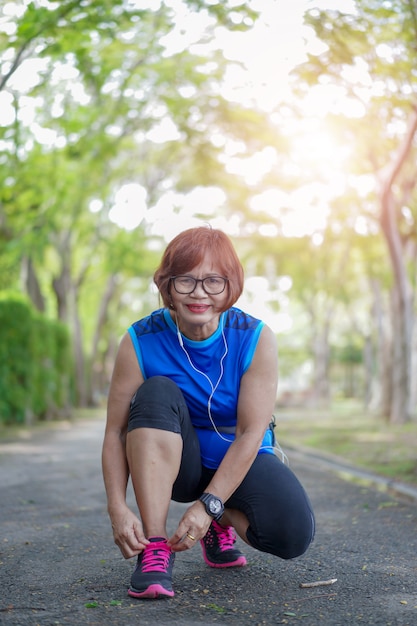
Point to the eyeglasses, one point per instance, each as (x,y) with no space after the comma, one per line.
(212,285)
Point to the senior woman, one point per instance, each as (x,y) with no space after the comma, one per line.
(189,419)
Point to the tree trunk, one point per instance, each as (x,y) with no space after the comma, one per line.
(80,368)
(402,293)
(401,360)
(61,286)
(66,292)
(380,395)
(321,353)
(30,280)
(413,390)
(96,381)
(368,361)
(402,316)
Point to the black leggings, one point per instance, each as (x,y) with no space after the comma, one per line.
(281,520)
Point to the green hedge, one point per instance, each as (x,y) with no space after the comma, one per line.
(35,363)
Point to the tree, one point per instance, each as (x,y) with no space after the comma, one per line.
(105,87)
(370,55)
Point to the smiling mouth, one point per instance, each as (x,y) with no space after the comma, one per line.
(197,308)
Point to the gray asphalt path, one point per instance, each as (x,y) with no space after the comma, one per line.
(59,566)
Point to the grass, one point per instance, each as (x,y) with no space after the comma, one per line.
(362,440)
(344,431)
(13,432)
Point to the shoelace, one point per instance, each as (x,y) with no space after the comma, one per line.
(225,537)
(156,558)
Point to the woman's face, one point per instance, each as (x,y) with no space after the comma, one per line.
(197,313)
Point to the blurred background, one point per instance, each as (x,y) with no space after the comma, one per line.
(291,126)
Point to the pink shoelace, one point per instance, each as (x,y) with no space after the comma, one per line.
(225,536)
(156,557)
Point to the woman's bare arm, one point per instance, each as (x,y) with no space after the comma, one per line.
(126,379)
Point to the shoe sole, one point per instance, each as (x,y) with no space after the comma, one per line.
(239,562)
(153,591)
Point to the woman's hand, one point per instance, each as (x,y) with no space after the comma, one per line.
(193,526)
(128,532)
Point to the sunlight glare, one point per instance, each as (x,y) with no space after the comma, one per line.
(164,131)
(189,28)
(260,300)
(95,205)
(175,212)
(129,206)
(268,52)
(284,283)
(300,213)
(28,74)
(345,6)
(361,225)
(316,145)
(268,230)
(252,168)
(8,115)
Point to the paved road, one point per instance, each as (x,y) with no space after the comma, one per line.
(59,566)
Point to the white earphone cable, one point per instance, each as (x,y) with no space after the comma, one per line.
(212,387)
(276,447)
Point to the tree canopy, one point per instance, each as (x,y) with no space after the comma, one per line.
(108,102)
(370,57)
(102,98)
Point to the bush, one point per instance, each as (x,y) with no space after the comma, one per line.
(35,363)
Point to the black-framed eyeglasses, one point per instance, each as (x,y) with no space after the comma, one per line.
(212,285)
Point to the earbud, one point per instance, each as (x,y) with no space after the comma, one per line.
(180,341)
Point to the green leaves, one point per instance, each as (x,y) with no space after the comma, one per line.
(93,119)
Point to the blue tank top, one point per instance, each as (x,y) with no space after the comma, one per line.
(159,353)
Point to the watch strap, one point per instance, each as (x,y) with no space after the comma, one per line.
(206,498)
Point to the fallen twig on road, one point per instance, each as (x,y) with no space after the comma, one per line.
(318,583)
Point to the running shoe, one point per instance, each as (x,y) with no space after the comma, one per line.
(218,547)
(152,577)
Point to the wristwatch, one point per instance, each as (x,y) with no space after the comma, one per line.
(214,506)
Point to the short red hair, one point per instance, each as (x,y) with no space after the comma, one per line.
(188,249)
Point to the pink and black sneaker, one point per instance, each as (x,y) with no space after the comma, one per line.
(218,547)
(152,577)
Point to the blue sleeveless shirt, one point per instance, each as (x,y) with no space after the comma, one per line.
(159,353)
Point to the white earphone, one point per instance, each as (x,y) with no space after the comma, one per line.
(213,387)
(276,447)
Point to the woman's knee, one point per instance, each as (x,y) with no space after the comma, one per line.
(281,520)
(158,403)
(159,387)
(294,540)
(287,537)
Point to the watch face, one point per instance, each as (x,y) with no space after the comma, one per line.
(215,506)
